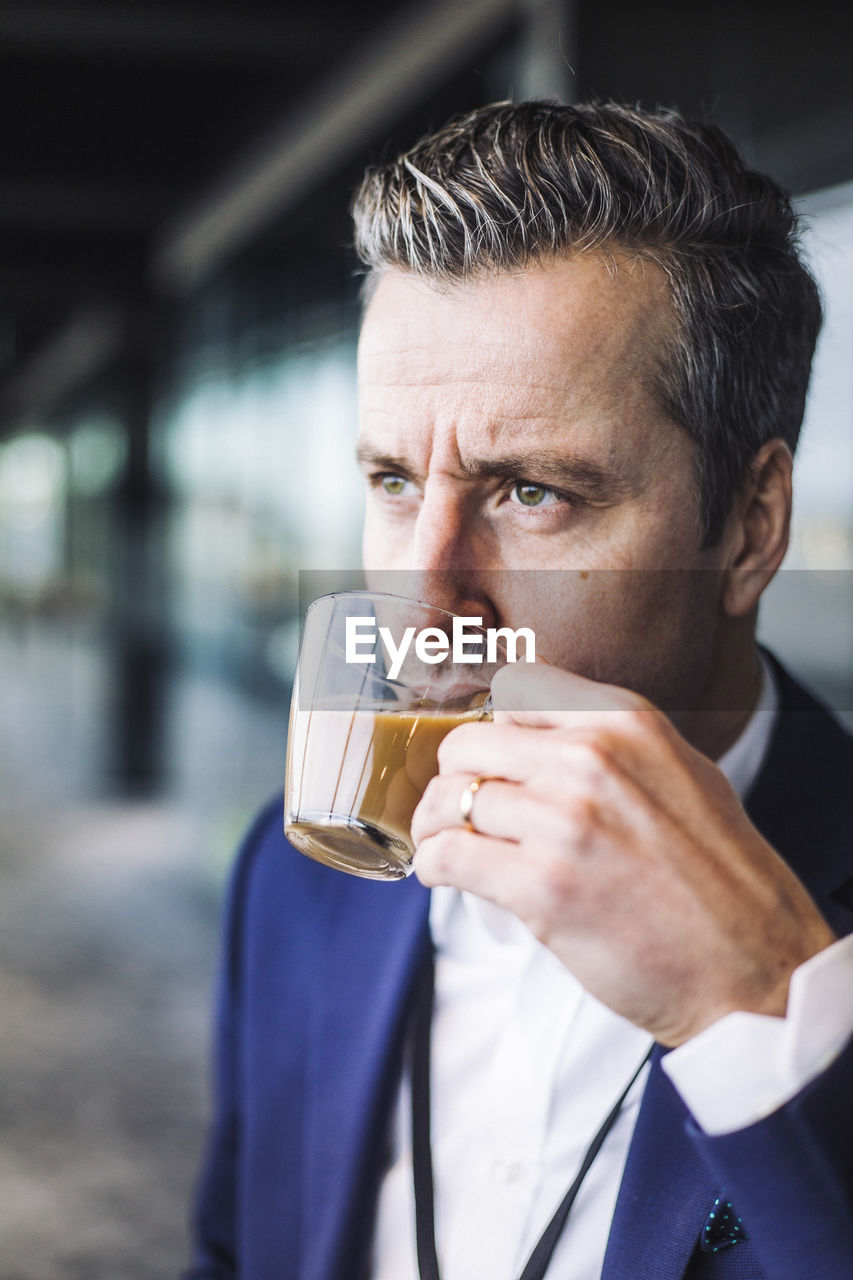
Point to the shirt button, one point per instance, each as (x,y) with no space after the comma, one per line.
(506,1170)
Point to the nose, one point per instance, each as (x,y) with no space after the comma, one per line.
(449,562)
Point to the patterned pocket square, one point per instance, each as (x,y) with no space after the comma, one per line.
(723,1227)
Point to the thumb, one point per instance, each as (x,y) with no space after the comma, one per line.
(537,694)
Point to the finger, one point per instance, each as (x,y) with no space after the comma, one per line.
(547,761)
(500,751)
(483,865)
(571,823)
(499,808)
(615,722)
(538,694)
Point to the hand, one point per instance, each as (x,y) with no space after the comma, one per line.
(623,849)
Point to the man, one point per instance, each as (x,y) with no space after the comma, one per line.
(582,372)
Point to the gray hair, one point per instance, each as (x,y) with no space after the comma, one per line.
(511,184)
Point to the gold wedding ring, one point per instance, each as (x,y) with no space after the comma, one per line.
(466,801)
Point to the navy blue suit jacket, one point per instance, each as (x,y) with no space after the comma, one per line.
(318,973)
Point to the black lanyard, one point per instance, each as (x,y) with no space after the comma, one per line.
(537,1263)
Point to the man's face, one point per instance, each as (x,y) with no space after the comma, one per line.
(510,425)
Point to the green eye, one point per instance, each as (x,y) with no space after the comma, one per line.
(393,485)
(531,495)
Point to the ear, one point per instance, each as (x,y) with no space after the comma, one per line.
(757,529)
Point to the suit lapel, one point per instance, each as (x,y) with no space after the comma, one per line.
(665,1194)
(800,801)
(378,936)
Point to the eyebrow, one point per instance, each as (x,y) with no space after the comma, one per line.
(560,470)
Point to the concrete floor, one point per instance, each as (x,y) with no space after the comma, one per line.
(106,957)
(109,921)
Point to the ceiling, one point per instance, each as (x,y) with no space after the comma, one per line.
(119,117)
(150,143)
(114,116)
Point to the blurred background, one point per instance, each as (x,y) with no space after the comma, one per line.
(177,331)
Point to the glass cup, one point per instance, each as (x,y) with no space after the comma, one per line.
(380,681)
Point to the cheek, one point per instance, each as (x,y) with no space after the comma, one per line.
(586,629)
(567,611)
(648,630)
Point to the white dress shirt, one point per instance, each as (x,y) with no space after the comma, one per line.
(526,1064)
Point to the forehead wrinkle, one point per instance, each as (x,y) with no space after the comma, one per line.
(543,309)
(409,365)
(560,468)
(567,363)
(434,379)
(549,393)
(484,407)
(413,452)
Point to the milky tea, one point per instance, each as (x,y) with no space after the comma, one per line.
(354,779)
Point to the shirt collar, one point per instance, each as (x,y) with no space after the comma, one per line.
(742,762)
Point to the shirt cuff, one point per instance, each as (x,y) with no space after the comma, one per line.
(747,1065)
